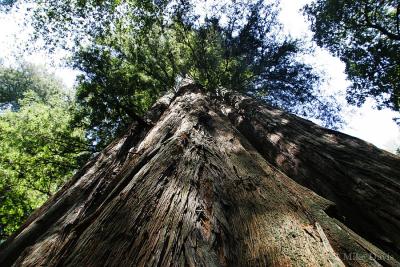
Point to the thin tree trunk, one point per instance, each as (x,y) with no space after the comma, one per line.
(216,182)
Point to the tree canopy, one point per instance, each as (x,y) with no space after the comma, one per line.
(365,34)
(130,52)
(16,81)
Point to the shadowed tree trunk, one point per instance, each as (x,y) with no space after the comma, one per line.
(221,180)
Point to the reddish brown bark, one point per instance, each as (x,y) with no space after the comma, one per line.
(216,182)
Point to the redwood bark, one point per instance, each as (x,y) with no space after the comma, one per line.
(220,180)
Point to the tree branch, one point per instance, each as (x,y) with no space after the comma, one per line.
(378,27)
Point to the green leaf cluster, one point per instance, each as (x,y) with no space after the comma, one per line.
(39,150)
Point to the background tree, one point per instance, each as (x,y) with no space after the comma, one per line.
(365,34)
(39,150)
(15,81)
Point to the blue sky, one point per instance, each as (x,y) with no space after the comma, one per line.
(375,126)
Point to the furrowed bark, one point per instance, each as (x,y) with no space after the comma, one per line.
(202,188)
(362,180)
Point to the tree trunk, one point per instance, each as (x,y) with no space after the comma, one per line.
(221,180)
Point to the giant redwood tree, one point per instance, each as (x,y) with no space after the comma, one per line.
(220,179)
(207,176)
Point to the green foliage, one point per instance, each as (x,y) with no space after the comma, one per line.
(366,36)
(144,48)
(112,94)
(39,151)
(14,82)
